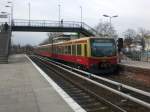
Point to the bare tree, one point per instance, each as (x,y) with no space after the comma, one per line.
(51,36)
(129,36)
(144,35)
(106,30)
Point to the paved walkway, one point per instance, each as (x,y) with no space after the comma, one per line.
(138,64)
(24,89)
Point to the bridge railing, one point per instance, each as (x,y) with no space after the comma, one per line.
(50,23)
(46,23)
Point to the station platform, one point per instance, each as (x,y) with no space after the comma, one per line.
(136,64)
(136,67)
(24,89)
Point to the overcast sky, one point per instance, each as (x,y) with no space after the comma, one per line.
(132,14)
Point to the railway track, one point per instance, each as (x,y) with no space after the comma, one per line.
(95,94)
(140,81)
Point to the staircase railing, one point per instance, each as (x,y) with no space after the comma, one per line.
(89,29)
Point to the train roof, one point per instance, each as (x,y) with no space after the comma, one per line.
(74,40)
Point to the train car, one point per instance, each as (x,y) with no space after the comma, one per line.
(97,55)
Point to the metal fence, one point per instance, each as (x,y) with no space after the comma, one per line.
(143,56)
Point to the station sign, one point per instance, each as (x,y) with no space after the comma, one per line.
(3,16)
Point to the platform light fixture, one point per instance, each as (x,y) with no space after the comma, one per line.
(6,15)
(11,6)
(110,17)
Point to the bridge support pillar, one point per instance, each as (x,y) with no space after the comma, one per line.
(5,41)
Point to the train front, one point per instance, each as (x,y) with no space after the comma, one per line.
(103,57)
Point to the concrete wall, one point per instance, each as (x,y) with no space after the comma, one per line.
(4,43)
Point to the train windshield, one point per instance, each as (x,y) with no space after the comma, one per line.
(103,47)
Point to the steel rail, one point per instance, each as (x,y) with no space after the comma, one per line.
(136,100)
(108,80)
(117,107)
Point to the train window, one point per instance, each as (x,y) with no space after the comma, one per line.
(73,49)
(46,49)
(66,50)
(79,49)
(62,49)
(85,50)
(54,50)
(69,50)
(50,49)
(59,50)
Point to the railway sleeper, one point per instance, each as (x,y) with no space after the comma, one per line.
(99,109)
(71,89)
(86,101)
(95,103)
(79,95)
(81,98)
(92,106)
(75,92)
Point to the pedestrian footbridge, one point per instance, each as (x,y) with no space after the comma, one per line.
(52,26)
(39,26)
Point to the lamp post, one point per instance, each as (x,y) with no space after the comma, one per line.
(59,8)
(11,7)
(7,16)
(110,18)
(81,15)
(29,12)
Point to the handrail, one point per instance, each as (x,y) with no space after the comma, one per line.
(51,23)
(90,29)
(19,22)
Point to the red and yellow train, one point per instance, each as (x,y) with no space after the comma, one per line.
(97,55)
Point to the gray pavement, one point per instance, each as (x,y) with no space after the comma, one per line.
(23,89)
(137,64)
